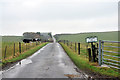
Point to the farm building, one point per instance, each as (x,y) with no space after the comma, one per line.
(32,36)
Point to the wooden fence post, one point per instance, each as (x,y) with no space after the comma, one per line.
(14,50)
(5,52)
(97,49)
(75,47)
(99,58)
(71,45)
(67,42)
(28,46)
(93,52)
(94,55)
(64,41)
(89,53)
(86,50)
(19,47)
(79,48)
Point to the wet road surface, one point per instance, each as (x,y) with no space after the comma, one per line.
(49,62)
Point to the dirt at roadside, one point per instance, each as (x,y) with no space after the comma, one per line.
(96,76)
(8,65)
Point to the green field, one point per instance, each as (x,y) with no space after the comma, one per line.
(11,38)
(9,42)
(80,37)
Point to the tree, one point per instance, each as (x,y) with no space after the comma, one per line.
(38,33)
(50,35)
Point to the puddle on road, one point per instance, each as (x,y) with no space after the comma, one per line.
(25,61)
(16,68)
(28,60)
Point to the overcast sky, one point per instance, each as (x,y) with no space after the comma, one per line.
(57,16)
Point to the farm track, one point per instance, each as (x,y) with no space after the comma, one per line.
(49,62)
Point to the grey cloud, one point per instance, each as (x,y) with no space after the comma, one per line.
(60,11)
(53,16)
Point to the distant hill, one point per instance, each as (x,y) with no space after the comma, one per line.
(80,37)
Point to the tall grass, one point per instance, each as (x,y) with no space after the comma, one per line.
(10,48)
(85,46)
(24,55)
(84,64)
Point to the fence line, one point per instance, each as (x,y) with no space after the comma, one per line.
(99,53)
(16,49)
(74,46)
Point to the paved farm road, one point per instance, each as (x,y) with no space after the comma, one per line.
(49,62)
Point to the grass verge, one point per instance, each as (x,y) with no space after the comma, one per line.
(82,63)
(22,56)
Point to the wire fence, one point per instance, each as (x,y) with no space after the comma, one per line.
(83,49)
(106,52)
(10,50)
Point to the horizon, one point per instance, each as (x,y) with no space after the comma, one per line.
(65,33)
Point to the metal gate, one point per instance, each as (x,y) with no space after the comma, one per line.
(109,53)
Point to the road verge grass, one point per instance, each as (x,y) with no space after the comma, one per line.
(23,55)
(82,63)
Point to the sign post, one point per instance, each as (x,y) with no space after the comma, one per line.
(91,40)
